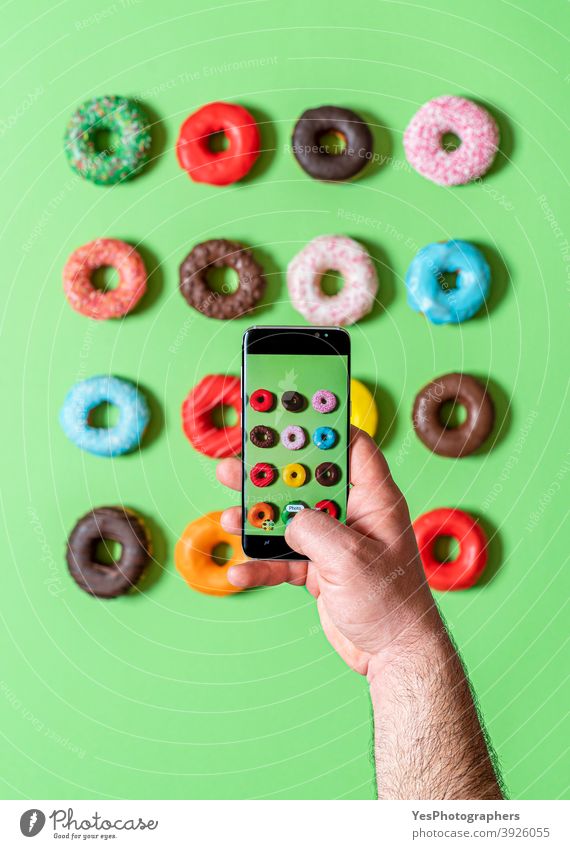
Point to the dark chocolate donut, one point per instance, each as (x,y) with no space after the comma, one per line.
(458,441)
(293,402)
(220,253)
(327,474)
(262,436)
(312,156)
(112,523)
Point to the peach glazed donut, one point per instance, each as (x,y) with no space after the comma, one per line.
(92,302)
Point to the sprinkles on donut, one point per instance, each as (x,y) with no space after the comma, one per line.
(88,394)
(127,123)
(332,253)
(474,126)
(293,437)
(84,298)
(221,253)
(262,436)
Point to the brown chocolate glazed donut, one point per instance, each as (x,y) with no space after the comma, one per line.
(313,157)
(221,253)
(293,401)
(262,436)
(327,474)
(112,523)
(458,441)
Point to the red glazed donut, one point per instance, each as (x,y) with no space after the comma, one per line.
(328,507)
(262,400)
(219,168)
(197,423)
(466,569)
(262,474)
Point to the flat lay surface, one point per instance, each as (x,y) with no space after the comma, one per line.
(167,693)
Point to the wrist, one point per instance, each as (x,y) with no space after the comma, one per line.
(426,638)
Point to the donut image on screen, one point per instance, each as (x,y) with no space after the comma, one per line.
(296,434)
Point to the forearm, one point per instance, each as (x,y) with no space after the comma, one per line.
(429,743)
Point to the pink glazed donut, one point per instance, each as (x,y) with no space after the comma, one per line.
(332,253)
(476,129)
(92,302)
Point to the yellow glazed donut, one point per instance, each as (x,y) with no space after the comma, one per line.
(364,413)
(193,556)
(294,474)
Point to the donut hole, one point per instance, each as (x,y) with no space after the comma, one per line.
(222,281)
(446,549)
(332,143)
(222,553)
(447,280)
(452,414)
(218,142)
(450,142)
(107,552)
(224,416)
(105,415)
(105,279)
(331,283)
(104,141)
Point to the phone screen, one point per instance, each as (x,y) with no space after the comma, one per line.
(296,419)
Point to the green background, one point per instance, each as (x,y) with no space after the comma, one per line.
(305,375)
(174,694)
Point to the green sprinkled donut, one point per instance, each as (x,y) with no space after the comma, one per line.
(129,145)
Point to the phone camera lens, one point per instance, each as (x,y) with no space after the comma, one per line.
(326,335)
(317,333)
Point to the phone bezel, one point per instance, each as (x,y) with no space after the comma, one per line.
(296,341)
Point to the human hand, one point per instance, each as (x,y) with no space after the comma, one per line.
(370,587)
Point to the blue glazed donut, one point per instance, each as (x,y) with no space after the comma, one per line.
(423,281)
(324,437)
(105,442)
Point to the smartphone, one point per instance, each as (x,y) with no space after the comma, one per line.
(296,425)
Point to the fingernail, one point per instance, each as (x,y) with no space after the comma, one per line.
(233,577)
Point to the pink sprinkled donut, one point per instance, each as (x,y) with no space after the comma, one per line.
(293,437)
(476,129)
(332,253)
(323,401)
(92,302)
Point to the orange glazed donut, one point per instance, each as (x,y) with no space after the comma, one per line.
(193,556)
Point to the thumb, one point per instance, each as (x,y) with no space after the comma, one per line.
(332,546)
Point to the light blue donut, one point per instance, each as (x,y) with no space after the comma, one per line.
(425,293)
(106,442)
(324,437)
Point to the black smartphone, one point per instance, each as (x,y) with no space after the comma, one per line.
(296,427)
